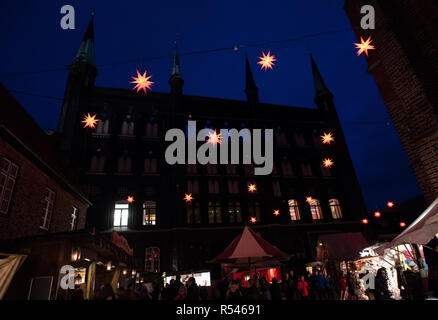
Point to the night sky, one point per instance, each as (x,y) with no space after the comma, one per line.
(32,40)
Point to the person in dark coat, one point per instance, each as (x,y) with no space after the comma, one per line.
(252,292)
(192,290)
(381,285)
(276,293)
(234,293)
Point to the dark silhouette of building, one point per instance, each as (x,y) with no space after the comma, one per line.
(124,156)
(405,68)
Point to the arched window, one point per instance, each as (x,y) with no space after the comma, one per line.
(102,127)
(152,259)
(125,128)
(281,139)
(286,167)
(149,213)
(249,169)
(213,186)
(193,211)
(97,163)
(192,169)
(150,165)
(193,186)
(315,209)
(211,169)
(335,208)
(214,212)
(121,214)
(326,172)
(131,128)
(294,210)
(231,169)
(276,188)
(124,164)
(233,186)
(234,212)
(300,140)
(254,210)
(307,169)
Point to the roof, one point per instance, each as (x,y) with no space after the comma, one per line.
(249,247)
(344,246)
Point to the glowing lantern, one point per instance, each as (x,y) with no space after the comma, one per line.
(75,254)
(327,163)
(267,61)
(142,82)
(252,188)
(390,204)
(309,199)
(214,138)
(364,46)
(327,138)
(90,121)
(125,272)
(377,214)
(188,198)
(365,221)
(276,212)
(108,266)
(402,224)
(130,199)
(253,219)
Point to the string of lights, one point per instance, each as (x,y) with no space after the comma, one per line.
(189,53)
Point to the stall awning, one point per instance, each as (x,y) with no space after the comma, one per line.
(422,230)
(344,246)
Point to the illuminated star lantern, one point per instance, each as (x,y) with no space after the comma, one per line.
(252,188)
(309,199)
(253,219)
(188,198)
(365,221)
(327,163)
(377,214)
(267,61)
(390,204)
(276,212)
(90,121)
(130,199)
(327,138)
(364,46)
(402,224)
(214,138)
(142,82)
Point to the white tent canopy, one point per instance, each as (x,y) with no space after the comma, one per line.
(421,231)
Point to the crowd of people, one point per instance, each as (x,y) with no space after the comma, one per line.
(317,286)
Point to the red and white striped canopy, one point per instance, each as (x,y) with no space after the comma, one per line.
(250,248)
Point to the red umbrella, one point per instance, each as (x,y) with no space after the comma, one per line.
(249,248)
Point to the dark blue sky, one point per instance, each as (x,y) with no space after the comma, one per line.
(32,40)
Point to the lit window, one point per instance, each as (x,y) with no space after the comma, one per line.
(151,130)
(315,209)
(234,211)
(214,212)
(8,174)
(102,127)
(335,208)
(294,210)
(74,218)
(152,259)
(49,202)
(128,128)
(193,212)
(121,214)
(149,213)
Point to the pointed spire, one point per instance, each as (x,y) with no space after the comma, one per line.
(251,88)
(318,81)
(176,67)
(86,49)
